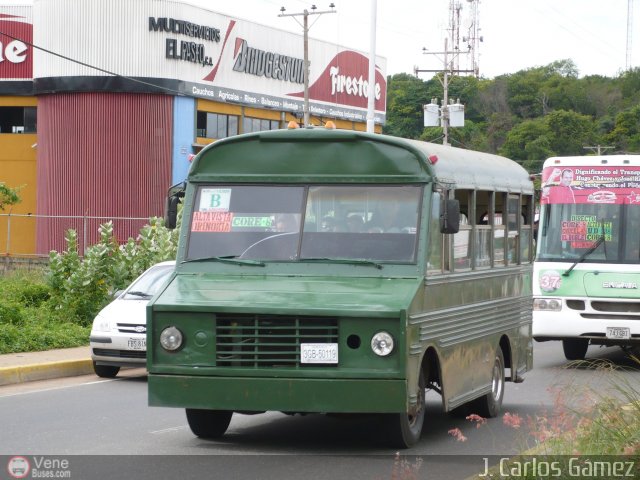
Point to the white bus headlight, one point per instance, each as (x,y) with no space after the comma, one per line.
(171,339)
(382,344)
(547,304)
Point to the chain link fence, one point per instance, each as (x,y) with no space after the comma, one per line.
(28,235)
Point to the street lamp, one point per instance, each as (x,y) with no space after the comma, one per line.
(305,26)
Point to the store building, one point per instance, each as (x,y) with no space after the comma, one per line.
(104,102)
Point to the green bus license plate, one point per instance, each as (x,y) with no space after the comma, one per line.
(618,333)
(318,353)
(137,343)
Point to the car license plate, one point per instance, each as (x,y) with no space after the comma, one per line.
(319,353)
(618,333)
(137,344)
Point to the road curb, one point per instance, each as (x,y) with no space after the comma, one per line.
(44,371)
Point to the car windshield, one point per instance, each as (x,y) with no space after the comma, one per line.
(147,285)
(298,223)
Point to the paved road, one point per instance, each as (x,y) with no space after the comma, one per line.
(83,417)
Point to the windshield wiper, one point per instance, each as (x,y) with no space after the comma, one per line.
(227,259)
(592,249)
(140,294)
(348,261)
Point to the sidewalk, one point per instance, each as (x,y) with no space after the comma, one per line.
(27,367)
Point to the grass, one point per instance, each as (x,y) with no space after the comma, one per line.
(28,320)
(585,433)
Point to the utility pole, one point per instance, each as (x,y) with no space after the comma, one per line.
(305,26)
(447,70)
(371,96)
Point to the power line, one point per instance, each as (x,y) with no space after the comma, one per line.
(135,80)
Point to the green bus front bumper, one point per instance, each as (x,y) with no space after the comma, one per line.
(278,394)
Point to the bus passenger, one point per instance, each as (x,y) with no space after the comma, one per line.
(355,223)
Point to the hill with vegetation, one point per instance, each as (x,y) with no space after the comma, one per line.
(527,116)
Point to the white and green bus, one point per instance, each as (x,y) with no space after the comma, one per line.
(587,271)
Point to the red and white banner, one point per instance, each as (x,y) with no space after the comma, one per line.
(591,185)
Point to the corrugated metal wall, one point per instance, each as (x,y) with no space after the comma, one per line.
(101,154)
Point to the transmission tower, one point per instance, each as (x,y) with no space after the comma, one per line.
(454,30)
(473,37)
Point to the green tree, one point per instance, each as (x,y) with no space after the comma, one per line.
(570,132)
(626,132)
(569,112)
(8,195)
(406,96)
(523,134)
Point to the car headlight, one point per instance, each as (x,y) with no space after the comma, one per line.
(101,324)
(547,304)
(382,344)
(171,339)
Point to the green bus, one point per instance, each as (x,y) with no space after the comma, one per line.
(340,272)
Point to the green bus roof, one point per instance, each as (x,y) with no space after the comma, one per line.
(322,155)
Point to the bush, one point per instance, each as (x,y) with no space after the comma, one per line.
(10,314)
(27,320)
(82,286)
(34,295)
(55,310)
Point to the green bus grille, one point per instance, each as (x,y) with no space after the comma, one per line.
(268,341)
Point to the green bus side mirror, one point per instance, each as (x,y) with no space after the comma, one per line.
(449,216)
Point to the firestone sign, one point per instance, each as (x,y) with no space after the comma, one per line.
(14,52)
(187,51)
(15,49)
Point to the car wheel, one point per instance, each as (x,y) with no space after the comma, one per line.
(208,423)
(105,371)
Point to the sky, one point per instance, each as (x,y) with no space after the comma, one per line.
(517,34)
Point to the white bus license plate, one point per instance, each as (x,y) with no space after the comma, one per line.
(618,333)
(318,353)
(137,343)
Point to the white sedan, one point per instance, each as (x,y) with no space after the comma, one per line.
(119,332)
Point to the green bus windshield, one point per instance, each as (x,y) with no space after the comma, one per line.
(294,223)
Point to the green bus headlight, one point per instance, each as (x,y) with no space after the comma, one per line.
(382,344)
(171,339)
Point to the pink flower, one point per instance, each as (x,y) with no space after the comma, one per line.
(512,420)
(477,418)
(457,434)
